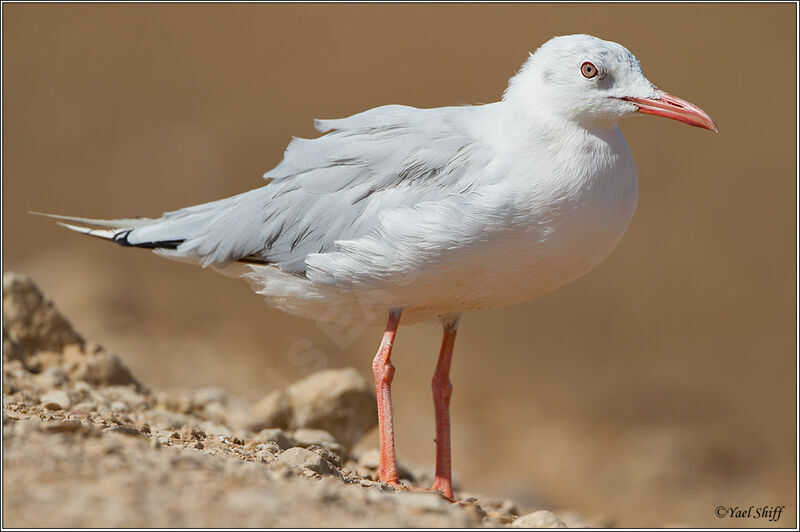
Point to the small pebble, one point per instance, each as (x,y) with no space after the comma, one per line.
(278,436)
(499,515)
(86,407)
(302,458)
(56,400)
(509,506)
(265,456)
(119,406)
(540,519)
(575,520)
(62,426)
(129,431)
(52,377)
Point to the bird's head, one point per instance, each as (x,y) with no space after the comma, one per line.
(593,81)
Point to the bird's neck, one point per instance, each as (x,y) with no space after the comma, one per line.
(543,126)
(539,107)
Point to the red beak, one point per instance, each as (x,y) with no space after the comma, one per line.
(673,107)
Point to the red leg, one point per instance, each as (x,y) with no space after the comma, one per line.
(384,371)
(442,390)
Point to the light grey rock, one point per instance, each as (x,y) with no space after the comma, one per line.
(573,519)
(210,394)
(509,506)
(309,438)
(126,394)
(16,369)
(273,411)
(120,407)
(56,400)
(300,458)
(174,401)
(338,401)
(540,519)
(52,377)
(62,426)
(86,406)
(168,421)
(82,387)
(265,455)
(31,320)
(103,369)
(215,428)
(500,516)
(11,349)
(8,386)
(278,436)
(126,431)
(305,437)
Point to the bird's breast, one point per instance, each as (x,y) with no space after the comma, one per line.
(574,212)
(566,217)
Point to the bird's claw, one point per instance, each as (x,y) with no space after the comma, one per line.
(396,484)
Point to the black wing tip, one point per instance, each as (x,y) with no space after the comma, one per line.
(121,238)
(253,260)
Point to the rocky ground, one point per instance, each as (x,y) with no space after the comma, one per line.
(85,444)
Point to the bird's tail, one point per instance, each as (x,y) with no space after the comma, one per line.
(113,230)
(216,234)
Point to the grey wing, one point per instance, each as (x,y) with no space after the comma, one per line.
(327,189)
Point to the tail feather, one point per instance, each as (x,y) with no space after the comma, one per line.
(106,234)
(113,230)
(122,223)
(156,234)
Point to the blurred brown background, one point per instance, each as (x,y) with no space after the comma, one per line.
(657,387)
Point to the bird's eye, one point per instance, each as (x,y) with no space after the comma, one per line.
(588,70)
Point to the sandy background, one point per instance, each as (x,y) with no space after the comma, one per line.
(652,390)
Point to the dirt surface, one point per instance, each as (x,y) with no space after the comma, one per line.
(655,388)
(85,444)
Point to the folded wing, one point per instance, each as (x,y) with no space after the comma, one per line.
(332,188)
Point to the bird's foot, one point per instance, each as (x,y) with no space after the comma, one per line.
(439,492)
(396,484)
(443,486)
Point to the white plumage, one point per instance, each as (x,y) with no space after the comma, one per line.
(427,213)
(434,211)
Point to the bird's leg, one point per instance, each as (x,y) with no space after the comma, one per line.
(442,390)
(384,371)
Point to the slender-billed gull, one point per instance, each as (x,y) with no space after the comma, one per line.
(426,213)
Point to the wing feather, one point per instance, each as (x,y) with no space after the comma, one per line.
(332,188)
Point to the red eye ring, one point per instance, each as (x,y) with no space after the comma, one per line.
(588,70)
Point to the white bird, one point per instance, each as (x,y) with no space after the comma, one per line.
(426,213)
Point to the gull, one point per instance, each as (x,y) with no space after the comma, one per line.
(427,213)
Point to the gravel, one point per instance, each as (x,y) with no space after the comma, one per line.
(540,519)
(85,440)
(304,459)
